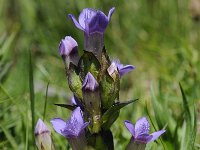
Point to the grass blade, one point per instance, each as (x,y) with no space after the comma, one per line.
(45,102)
(32,96)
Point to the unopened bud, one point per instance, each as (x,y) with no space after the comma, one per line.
(43,136)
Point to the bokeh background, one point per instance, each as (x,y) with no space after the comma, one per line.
(160,37)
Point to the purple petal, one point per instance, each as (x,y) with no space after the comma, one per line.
(130,127)
(86,15)
(85,125)
(90,82)
(97,23)
(125,69)
(144,138)
(112,68)
(75,125)
(68,45)
(76,22)
(155,135)
(58,125)
(142,127)
(77,115)
(110,13)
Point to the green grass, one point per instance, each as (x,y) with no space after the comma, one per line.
(158,37)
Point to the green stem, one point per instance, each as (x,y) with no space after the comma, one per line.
(133,145)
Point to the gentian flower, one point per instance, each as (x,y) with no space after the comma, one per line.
(92,101)
(72,129)
(122,69)
(68,49)
(43,136)
(93,23)
(140,133)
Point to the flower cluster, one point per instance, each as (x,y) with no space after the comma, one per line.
(94,80)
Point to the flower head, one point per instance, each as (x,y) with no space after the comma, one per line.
(91,21)
(68,49)
(90,83)
(43,136)
(140,131)
(73,127)
(123,69)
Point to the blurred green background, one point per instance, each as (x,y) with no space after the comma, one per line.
(161,38)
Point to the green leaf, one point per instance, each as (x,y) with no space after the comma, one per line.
(70,107)
(112,113)
(189,124)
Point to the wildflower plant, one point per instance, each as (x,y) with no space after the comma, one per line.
(94,80)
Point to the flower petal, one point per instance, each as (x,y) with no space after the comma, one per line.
(75,125)
(130,127)
(112,68)
(77,115)
(58,125)
(144,138)
(67,46)
(90,82)
(142,127)
(86,14)
(110,13)
(97,23)
(125,69)
(76,22)
(155,135)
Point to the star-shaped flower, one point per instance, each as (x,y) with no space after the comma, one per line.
(73,127)
(140,131)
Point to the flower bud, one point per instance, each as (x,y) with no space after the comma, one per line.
(68,49)
(92,101)
(43,136)
(90,83)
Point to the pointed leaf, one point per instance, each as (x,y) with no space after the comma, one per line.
(70,107)
(112,113)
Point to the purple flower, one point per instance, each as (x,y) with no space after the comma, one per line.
(68,49)
(90,83)
(93,23)
(121,68)
(73,127)
(140,131)
(43,136)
